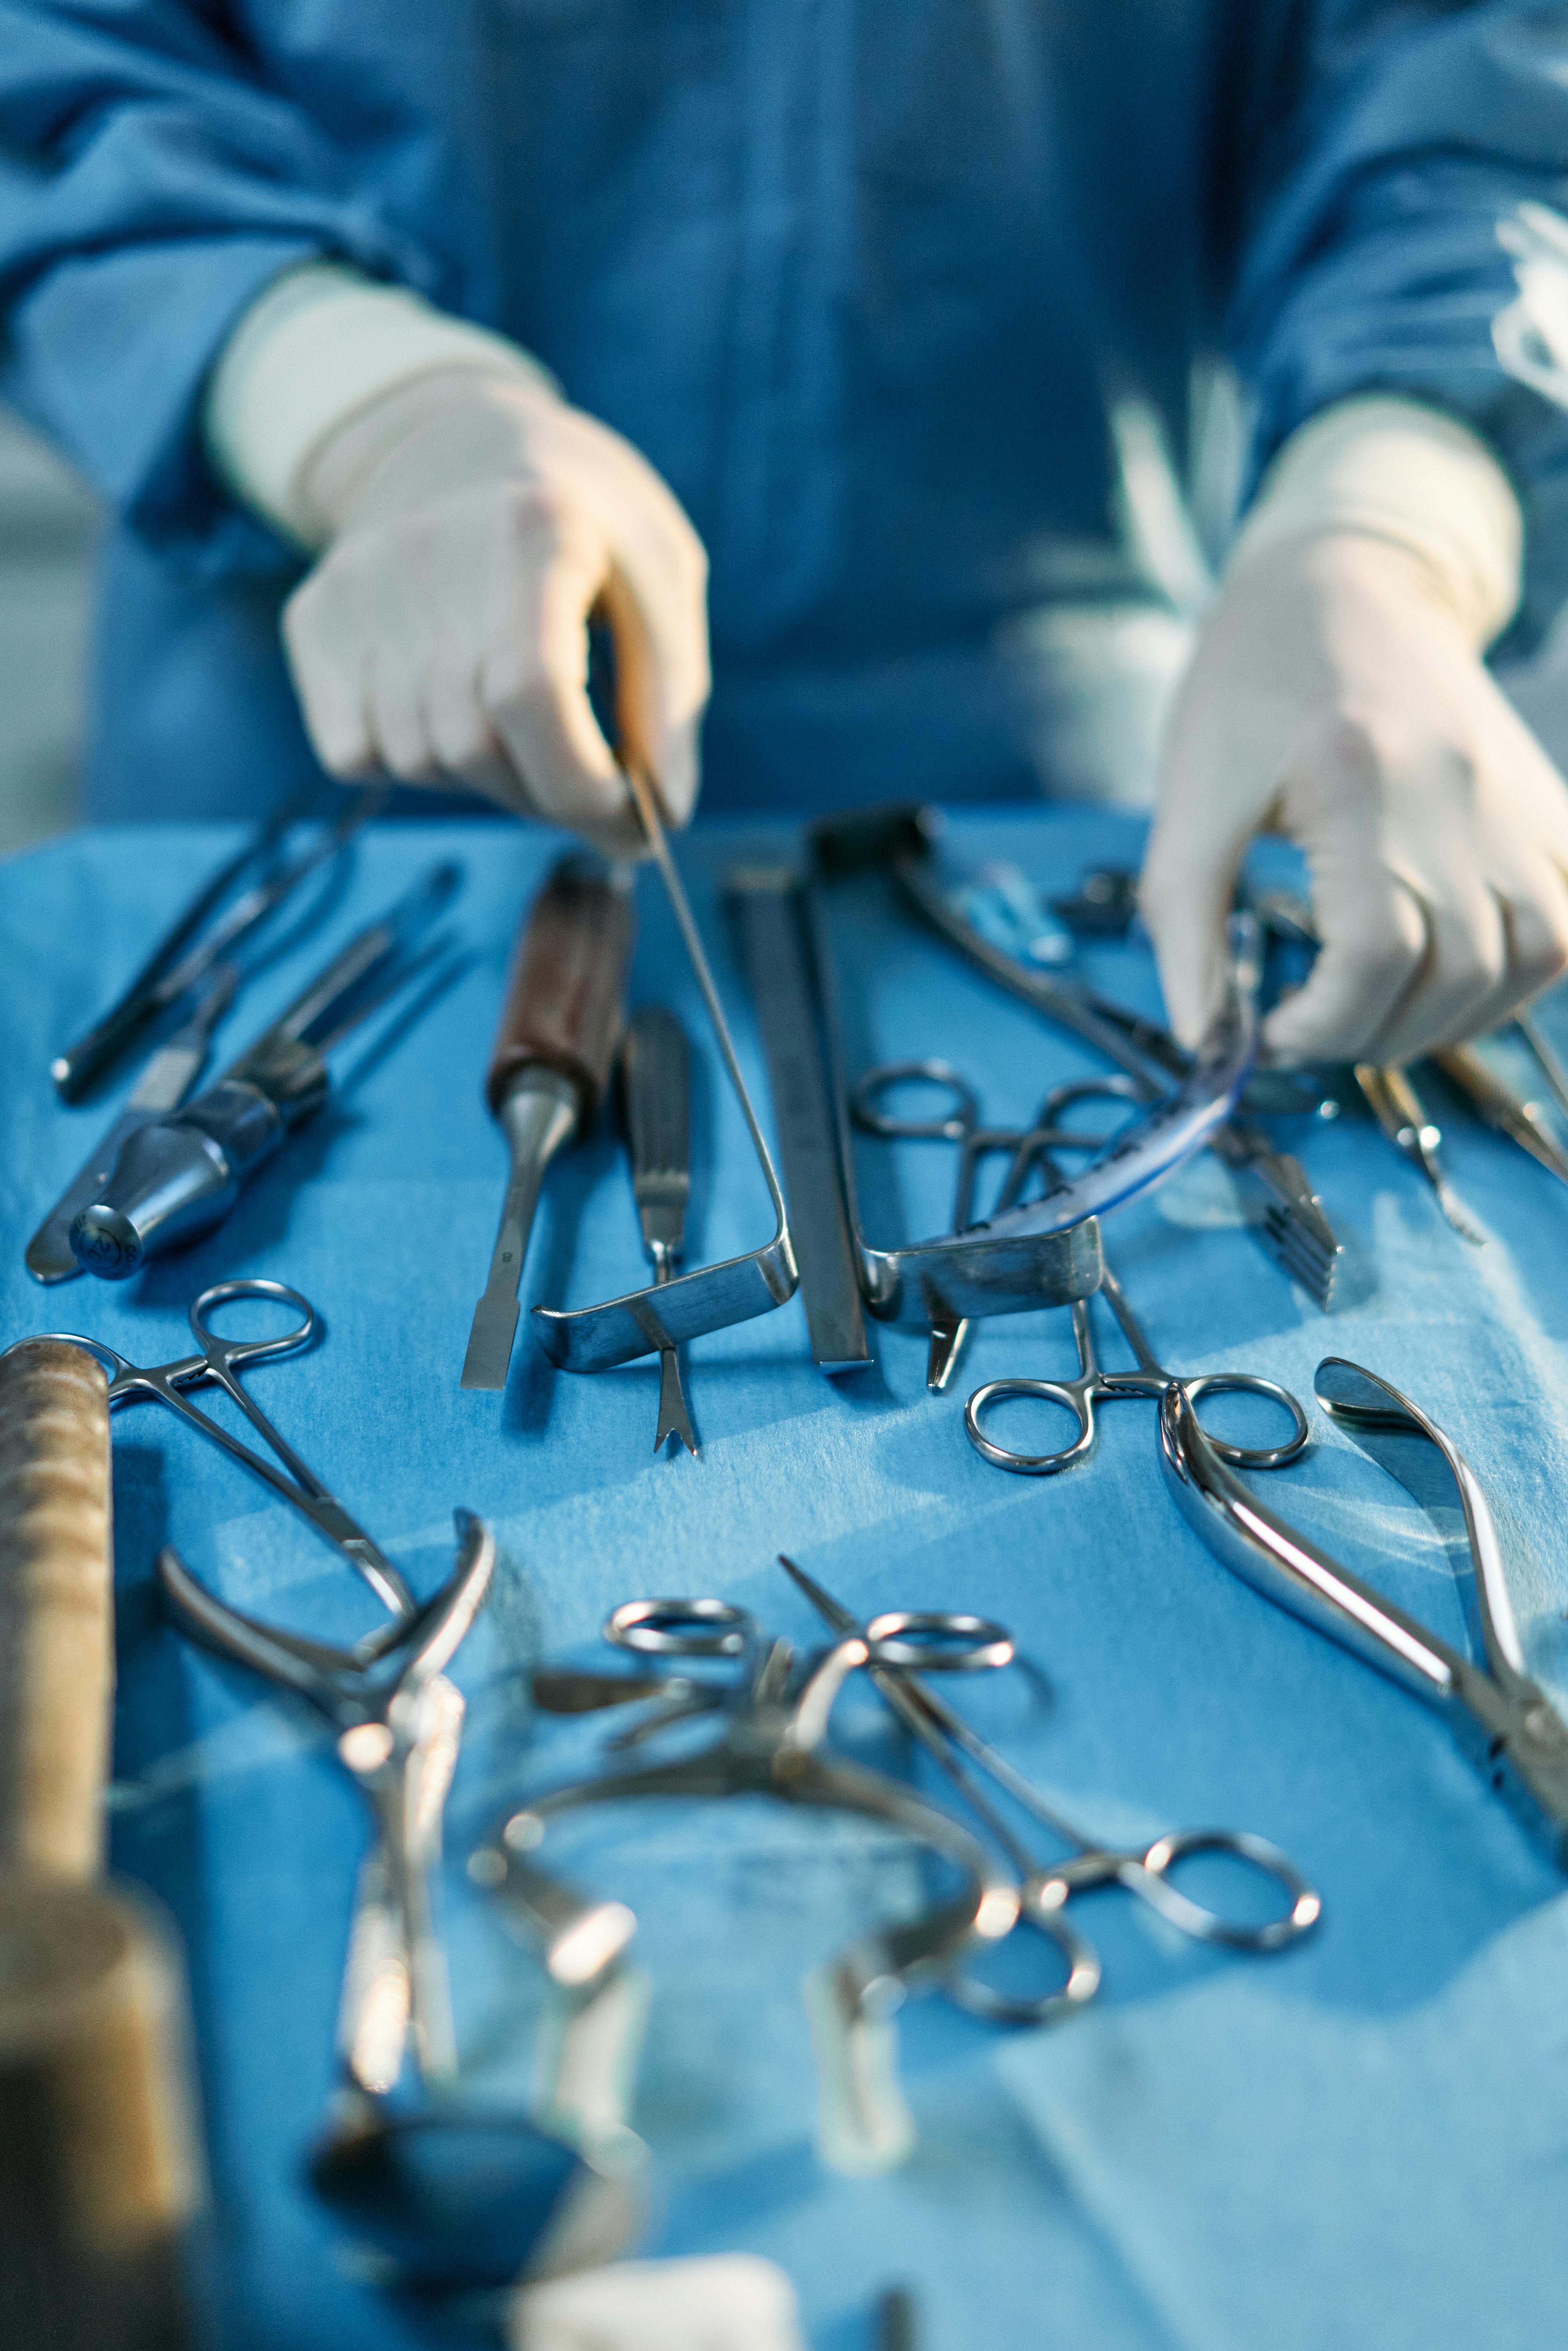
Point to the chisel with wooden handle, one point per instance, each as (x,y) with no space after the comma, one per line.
(554,1049)
(101,2172)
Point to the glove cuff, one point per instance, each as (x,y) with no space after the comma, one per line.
(321,344)
(1394,470)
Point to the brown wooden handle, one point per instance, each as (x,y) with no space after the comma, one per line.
(100,2164)
(564,1002)
(56,1638)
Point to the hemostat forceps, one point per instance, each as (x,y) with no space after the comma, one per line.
(386,1698)
(960,1123)
(220,1360)
(900,1646)
(1502,1718)
(1094,1385)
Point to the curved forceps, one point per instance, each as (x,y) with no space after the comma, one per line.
(221,1360)
(944,1642)
(1095,1384)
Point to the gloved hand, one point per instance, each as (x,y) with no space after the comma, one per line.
(729,2302)
(472,520)
(1338,695)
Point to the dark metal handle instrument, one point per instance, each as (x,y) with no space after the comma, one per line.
(559,1025)
(163,1085)
(767,899)
(176,965)
(177,1178)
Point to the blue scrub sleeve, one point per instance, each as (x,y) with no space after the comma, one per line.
(150,187)
(1376,264)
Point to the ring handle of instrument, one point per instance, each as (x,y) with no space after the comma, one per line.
(1072,1399)
(672,1628)
(1077,1401)
(1147,1873)
(960,1122)
(916,1640)
(1252,1456)
(251,1350)
(1084,1974)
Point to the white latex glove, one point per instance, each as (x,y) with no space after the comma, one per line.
(470,519)
(1338,695)
(729,2302)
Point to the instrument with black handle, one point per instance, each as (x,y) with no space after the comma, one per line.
(656,1092)
(554,1049)
(177,1178)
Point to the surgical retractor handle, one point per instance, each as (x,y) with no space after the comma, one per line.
(563,1005)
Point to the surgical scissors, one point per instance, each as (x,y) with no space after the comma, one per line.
(901,1645)
(220,1360)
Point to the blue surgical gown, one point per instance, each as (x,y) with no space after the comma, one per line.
(862,278)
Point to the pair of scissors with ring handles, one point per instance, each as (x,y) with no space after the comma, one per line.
(219,1360)
(904,1645)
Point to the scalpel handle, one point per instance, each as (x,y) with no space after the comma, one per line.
(563,1005)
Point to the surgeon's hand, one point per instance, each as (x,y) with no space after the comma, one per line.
(1337,697)
(472,521)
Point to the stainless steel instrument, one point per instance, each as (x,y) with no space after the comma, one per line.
(770,1740)
(1047,1251)
(1502,1718)
(768,905)
(559,1025)
(175,964)
(592,1338)
(1522,1120)
(1283,1212)
(902,1646)
(162,1086)
(657,1089)
(1399,1110)
(217,1363)
(375,1696)
(177,1178)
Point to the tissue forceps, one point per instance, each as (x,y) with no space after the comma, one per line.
(901,1645)
(220,1360)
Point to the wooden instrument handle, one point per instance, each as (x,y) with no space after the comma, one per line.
(564,999)
(101,2166)
(100,2171)
(57,1641)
